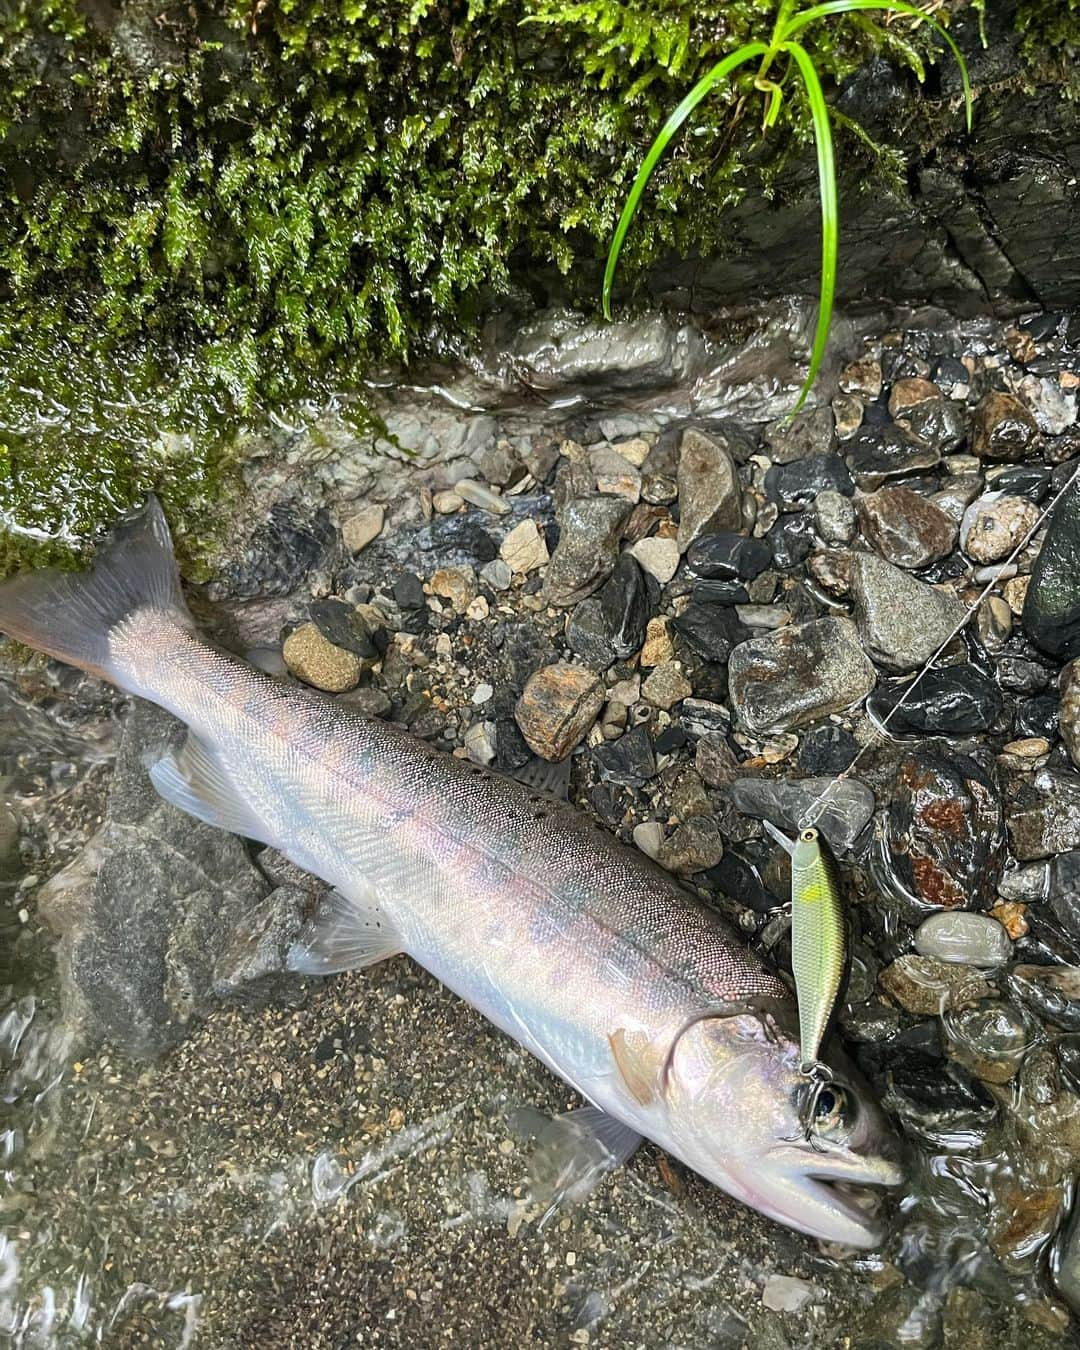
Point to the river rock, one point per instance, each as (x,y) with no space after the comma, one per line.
(797,484)
(1053,992)
(902,621)
(694,846)
(944,830)
(810,432)
(877,453)
(791,540)
(1063,890)
(557,707)
(710,497)
(990,1037)
(1069,711)
(963,939)
(861,377)
(926,987)
(312,658)
(1001,427)
(948,701)
(834,517)
(624,607)
(797,675)
(144,914)
(995,524)
(588,635)
(1048,821)
(727,556)
(904,527)
(937,423)
(846,814)
(658,556)
(614,474)
(588,548)
(362,527)
(666,685)
(1051,612)
(713,631)
(524,549)
(628,761)
(343,625)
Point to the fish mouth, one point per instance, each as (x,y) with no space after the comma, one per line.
(834,1194)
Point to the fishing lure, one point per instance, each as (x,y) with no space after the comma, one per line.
(818,937)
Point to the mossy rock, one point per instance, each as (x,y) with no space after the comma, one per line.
(214,206)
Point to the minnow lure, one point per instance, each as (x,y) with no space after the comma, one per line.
(818,937)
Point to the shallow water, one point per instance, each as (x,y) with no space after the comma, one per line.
(344,1164)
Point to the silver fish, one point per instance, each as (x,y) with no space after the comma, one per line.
(597,961)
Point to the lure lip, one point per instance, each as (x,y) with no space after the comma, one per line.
(788,845)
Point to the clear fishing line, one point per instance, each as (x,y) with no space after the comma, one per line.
(878,726)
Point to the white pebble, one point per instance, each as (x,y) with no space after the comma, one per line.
(964,939)
(659,557)
(482,693)
(478,494)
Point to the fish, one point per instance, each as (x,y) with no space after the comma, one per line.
(622,982)
(818,936)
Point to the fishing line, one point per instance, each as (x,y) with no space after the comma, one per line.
(878,729)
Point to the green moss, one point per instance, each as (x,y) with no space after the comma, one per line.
(212,206)
(1050,27)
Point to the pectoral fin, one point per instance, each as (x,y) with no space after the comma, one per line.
(639,1062)
(195,779)
(347,933)
(574,1152)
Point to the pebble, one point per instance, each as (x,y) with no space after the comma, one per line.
(909,392)
(649,838)
(902,621)
(826,749)
(1051,607)
(834,517)
(786,1294)
(343,625)
(497,574)
(994,623)
(659,557)
(693,847)
(701,717)
(726,556)
(810,432)
(965,939)
(763,616)
(944,834)
(624,607)
(905,528)
(588,636)
(408,591)
(847,415)
(447,502)
(957,494)
(635,450)
(715,761)
(877,453)
(796,485)
(1069,709)
(791,540)
(1001,427)
(995,524)
(524,549)
(926,986)
(1020,480)
(861,377)
(480,742)
(1051,991)
(658,646)
(479,494)
(937,423)
(847,811)
(615,475)
(628,761)
(456,584)
(362,527)
(798,674)
(557,707)
(311,658)
(713,631)
(710,497)
(482,693)
(1050,823)
(990,1038)
(666,685)
(1064,891)
(947,701)
(1014,593)
(588,548)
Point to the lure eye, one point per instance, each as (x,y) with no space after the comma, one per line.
(834,1111)
(808,836)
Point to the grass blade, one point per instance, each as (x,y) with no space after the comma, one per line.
(715,76)
(830,7)
(830,222)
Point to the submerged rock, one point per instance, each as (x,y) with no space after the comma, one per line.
(1049,821)
(902,620)
(927,987)
(798,674)
(846,814)
(944,830)
(990,1038)
(964,939)
(953,701)
(147,911)
(1051,613)
(1051,991)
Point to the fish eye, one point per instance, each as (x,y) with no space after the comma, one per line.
(835,1110)
(808,836)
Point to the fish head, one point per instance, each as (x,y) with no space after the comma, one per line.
(810,1153)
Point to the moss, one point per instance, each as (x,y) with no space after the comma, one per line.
(212,206)
(1050,27)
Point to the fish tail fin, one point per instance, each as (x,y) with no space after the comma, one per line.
(70,615)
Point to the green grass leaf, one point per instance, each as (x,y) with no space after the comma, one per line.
(717,75)
(830,222)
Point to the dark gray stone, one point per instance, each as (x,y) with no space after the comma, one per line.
(797,484)
(902,621)
(588,548)
(1052,606)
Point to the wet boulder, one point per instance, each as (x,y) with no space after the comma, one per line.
(902,620)
(1051,614)
(944,832)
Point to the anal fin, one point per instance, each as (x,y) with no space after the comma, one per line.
(194,779)
(346,933)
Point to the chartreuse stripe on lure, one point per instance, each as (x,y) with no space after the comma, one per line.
(818,937)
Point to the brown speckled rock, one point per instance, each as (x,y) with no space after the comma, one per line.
(557,707)
(311,658)
(1002,428)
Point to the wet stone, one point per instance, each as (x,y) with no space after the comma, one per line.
(1053,992)
(629,761)
(318,662)
(925,986)
(797,484)
(989,1037)
(810,432)
(861,377)
(557,707)
(1069,685)
(1002,428)
(846,813)
(787,1294)
(834,517)
(1050,822)
(1021,480)
(964,939)
(944,830)
(798,674)
(995,524)
(948,701)
(719,593)
(901,620)
(710,497)
(588,548)
(624,607)
(713,631)
(1018,675)
(938,423)
(1064,891)
(727,556)
(908,392)
(715,761)
(657,646)
(877,453)
(344,626)
(904,527)
(1037,716)
(791,540)
(1051,612)
(826,750)
(847,415)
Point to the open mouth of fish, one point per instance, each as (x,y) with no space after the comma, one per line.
(835,1195)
